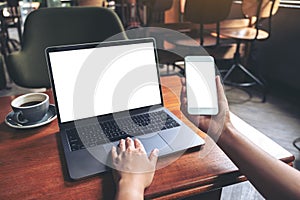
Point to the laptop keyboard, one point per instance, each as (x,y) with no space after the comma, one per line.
(114,130)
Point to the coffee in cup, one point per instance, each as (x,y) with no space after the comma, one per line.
(30,107)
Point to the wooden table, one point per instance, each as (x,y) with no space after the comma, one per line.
(32,165)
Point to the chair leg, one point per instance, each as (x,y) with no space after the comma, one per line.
(19,31)
(3,83)
(201,34)
(238,65)
(229,72)
(14,43)
(295,142)
(251,75)
(7,44)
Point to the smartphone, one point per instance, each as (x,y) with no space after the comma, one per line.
(201,85)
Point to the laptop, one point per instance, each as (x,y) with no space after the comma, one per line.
(108,91)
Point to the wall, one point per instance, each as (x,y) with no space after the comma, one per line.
(279,56)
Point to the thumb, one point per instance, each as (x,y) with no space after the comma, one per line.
(220,89)
(154,156)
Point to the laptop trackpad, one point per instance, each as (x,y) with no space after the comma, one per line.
(181,139)
(152,141)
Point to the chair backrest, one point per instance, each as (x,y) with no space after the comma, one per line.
(58,26)
(161,5)
(156,9)
(206,11)
(260,8)
(12,3)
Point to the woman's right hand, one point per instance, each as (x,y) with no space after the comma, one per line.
(212,125)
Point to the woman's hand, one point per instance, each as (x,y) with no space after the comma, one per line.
(212,125)
(133,169)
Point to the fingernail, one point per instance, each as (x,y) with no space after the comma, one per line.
(156,151)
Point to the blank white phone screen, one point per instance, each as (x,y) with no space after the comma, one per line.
(201,85)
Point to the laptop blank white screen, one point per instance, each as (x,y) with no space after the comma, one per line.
(103,80)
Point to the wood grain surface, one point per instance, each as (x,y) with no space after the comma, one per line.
(32,164)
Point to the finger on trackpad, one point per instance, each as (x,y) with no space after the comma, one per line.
(155,141)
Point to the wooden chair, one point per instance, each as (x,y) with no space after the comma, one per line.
(207,12)
(156,10)
(156,19)
(196,12)
(57,26)
(255,11)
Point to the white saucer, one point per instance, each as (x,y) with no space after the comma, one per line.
(49,117)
